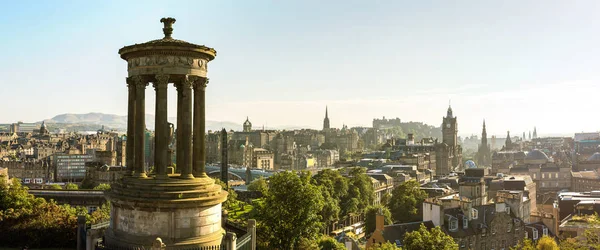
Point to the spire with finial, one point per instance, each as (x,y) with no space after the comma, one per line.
(168,26)
(449,113)
(326,120)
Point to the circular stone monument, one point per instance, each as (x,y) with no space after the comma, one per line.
(184,209)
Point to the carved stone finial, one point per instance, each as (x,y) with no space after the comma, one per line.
(168,29)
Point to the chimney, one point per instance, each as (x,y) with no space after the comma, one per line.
(379,221)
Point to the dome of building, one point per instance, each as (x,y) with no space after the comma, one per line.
(594,157)
(536,157)
(470,164)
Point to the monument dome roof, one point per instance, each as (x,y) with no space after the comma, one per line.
(470,164)
(166,44)
(536,157)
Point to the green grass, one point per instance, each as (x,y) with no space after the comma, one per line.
(236,213)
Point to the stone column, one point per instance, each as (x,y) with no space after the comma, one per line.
(179,159)
(129,147)
(140,126)
(161,126)
(199,86)
(184,127)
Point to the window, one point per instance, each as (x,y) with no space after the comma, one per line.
(534,176)
(474,213)
(465,223)
(526,234)
(507,210)
(535,234)
(453,224)
(543,176)
(493,245)
(483,246)
(545,231)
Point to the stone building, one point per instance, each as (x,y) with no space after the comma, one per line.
(386,123)
(584,181)
(484,153)
(448,152)
(262,159)
(29,172)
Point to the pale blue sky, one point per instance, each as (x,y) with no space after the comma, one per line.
(514,63)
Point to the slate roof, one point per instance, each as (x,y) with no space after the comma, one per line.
(395,233)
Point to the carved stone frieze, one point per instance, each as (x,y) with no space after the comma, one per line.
(167,60)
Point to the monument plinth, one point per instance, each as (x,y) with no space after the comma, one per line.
(183,210)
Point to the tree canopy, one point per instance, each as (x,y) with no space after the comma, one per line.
(290,211)
(71,186)
(259,185)
(102,186)
(424,239)
(33,221)
(407,201)
(384,246)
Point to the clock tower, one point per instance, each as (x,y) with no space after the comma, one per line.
(449,129)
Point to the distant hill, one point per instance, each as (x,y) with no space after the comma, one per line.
(118,122)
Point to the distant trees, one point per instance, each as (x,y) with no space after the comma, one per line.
(384,246)
(102,186)
(71,186)
(407,201)
(424,239)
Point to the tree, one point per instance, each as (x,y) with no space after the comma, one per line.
(290,210)
(547,243)
(71,186)
(407,201)
(329,243)
(526,244)
(231,197)
(333,187)
(384,246)
(259,185)
(26,219)
(54,186)
(424,239)
(360,192)
(385,199)
(102,186)
(370,217)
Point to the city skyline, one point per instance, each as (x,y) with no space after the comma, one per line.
(512,65)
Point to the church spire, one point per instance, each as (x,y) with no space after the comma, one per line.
(326,120)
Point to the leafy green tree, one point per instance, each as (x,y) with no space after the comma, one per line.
(290,211)
(424,239)
(259,185)
(547,243)
(572,244)
(525,244)
(384,246)
(333,187)
(71,186)
(231,197)
(102,186)
(329,243)
(100,215)
(360,192)
(54,186)
(25,219)
(407,201)
(385,199)
(371,214)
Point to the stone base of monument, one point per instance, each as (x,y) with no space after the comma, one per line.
(184,213)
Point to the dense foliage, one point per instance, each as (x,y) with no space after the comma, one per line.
(406,202)
(424,239)
(26,220)
(259,185)
(384,246)
(290,211)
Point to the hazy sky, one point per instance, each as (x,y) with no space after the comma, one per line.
(516,64)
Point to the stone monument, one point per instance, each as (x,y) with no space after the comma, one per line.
(183,210)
